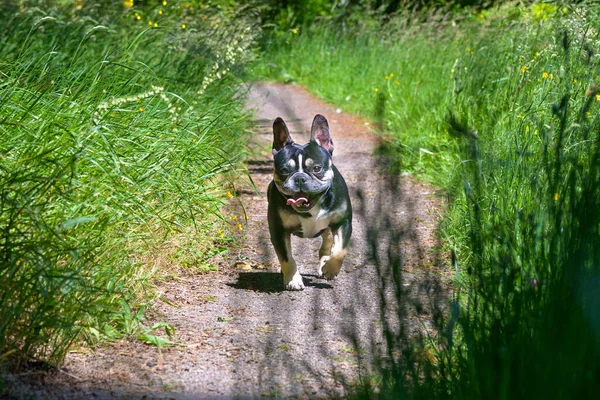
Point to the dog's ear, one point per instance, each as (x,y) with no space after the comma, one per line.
(319,132)
(281,135)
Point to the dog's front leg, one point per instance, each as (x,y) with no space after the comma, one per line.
(291,277)
(338,241)
(325,250)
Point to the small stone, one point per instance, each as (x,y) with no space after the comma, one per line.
(243,266)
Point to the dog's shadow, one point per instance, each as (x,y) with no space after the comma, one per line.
(272,282)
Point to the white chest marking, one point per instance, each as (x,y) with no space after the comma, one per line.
(314,225)
(320,220)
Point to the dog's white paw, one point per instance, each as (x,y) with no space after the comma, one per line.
(331,268)
(295,283)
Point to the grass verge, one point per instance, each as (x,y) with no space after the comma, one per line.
(120,127)
(500,107)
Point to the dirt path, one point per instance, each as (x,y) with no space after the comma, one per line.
(241,334)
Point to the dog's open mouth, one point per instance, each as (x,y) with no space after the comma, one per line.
(299,202)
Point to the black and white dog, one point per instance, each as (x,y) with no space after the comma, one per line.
(308,198)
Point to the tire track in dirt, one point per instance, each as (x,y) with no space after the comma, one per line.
(241,334)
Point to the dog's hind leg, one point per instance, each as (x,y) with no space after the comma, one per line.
(339,249)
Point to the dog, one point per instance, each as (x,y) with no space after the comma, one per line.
(308,197)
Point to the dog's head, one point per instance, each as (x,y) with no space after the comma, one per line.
(303,173)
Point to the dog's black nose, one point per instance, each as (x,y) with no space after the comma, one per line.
(299,180)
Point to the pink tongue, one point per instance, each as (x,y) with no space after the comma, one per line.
(297,202)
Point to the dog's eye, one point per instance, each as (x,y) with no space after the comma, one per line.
(284,170)
(317,169)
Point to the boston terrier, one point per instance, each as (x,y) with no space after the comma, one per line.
(308,198)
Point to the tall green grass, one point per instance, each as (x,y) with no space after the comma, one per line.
(362,66)
(526,230)
(501,108)
(119,128)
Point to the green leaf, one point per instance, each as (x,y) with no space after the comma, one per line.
(95,332)
(169,329)
(154,340)
(76,221)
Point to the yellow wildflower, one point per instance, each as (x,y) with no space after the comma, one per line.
(555,196)
(141,108)
(183,26)
(240,227)
(545,75)
(523,69)
(164,2)
(391,75)
(128,3)
(598,97)
(397,83)
(526,128)
(160,11)
(295,31)
(150,23)
(376,90)
(229,194)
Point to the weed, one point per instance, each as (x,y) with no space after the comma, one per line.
(273,393)
(209,298)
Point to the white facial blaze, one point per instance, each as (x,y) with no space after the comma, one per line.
(300,163)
